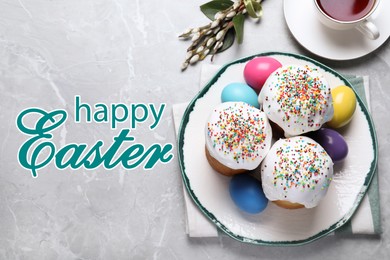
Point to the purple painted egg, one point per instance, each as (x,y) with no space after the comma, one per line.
(333,143)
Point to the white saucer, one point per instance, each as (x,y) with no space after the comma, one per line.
(331,44)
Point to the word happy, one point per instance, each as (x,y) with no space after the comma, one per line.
(39,150)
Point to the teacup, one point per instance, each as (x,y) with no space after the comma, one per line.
(349,14)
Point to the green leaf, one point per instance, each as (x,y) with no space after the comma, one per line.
(254,8)
(213,7)
(238,22)
(227,41)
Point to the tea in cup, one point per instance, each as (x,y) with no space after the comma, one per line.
(348,14)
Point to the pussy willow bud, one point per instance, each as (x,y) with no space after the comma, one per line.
(200,49)
(210,42)
(194,59)
(219,15)
(195,30)
(195,37)
(187,31)
(185,34)
(189,55)
(231,14)
(215,23)
(184,65)
(219,35)
(218,45)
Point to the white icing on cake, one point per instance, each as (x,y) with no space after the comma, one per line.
(238,135)
(297,170)
(297,98)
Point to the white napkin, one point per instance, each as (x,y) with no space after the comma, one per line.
(198,225)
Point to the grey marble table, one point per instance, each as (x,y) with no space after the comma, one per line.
(127,51)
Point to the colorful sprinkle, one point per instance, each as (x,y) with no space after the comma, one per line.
(298,99)
(300,165)
(299,93)
(239,132)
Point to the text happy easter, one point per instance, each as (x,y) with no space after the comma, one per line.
(39,150)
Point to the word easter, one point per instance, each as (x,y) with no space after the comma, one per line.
(39,151)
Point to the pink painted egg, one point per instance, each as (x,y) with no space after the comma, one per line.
(257,71)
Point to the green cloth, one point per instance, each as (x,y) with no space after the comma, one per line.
(373,190)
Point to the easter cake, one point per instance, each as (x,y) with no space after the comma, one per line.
(296,173)
(297,98)
(238,136)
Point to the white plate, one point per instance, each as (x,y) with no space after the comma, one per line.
(301,19)
(274,226)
